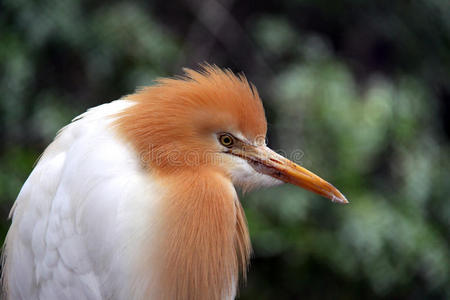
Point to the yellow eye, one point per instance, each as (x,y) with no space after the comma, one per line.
(226,140)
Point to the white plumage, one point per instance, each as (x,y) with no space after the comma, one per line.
(70,215)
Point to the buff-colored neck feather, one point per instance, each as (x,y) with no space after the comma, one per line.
(203,240)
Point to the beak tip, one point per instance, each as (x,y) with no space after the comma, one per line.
(341,199)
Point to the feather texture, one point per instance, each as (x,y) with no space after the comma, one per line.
(79,216)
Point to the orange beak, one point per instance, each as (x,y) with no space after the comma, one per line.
(266,161)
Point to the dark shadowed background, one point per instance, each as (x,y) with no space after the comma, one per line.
(356,91)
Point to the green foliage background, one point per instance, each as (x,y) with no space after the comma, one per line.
(356,91)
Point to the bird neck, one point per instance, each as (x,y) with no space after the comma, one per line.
(204,238)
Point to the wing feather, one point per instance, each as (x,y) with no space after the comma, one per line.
(71,223)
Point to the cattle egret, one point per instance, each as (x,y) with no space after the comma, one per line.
(136,199)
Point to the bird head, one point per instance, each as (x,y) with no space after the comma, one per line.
(211,120)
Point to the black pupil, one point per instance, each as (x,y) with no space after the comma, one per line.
(226,140)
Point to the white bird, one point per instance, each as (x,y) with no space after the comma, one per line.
(136,199)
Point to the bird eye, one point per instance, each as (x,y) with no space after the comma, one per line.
(226,140)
